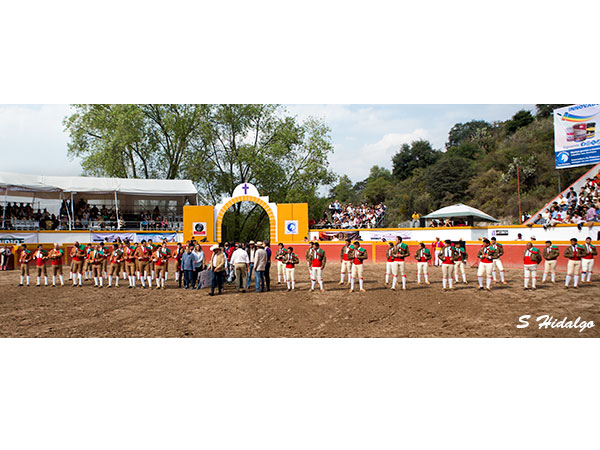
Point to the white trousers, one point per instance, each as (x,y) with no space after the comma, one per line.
(357,271)
(346,267)
(587,265)
(290,274)
(529,271)
(550,266)
(280,269)
(573,267)
(389,267)
(447,271)
(459,267)
(484,269)
(316,274)
(422,268)
(398,268)
(498,264)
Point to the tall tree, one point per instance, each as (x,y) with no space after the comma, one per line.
(462,132)
(133,141)
(519,120)
(418,154)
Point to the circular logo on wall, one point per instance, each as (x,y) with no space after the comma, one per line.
(291,227)
(563,157)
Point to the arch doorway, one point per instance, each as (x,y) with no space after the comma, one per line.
(247,209)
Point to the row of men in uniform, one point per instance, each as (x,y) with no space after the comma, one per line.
(144,262)
(147,262)
(454,259)
(316,260)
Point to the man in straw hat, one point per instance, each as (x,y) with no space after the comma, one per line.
(217,267)
(251,252)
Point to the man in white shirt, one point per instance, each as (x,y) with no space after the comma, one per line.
(251,252)
(240,261)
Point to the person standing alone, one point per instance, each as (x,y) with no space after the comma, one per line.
(260,265)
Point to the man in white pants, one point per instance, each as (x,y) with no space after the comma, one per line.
(531,258)
(346,262)
(279,254)
(447,255)
(423,256)
(485,265)
(550,254)
(400,253)
(319,259)
(587,262)
(358,255)
(498,250)
(573,253)
(460,263)
(389,261)
(290,259)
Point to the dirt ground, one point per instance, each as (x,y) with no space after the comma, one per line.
(420,311)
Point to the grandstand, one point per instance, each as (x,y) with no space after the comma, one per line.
(94,204)
(576,186)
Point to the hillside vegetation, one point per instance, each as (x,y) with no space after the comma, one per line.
(477,167)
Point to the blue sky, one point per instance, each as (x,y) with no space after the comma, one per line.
(32,139)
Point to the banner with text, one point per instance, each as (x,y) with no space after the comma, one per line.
(112,237)
(156,237)
(575,140)
(388,235)
(18,238)
(339,235)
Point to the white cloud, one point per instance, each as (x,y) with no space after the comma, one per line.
(357,162)
(32,140)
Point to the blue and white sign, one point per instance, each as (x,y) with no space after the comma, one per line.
(575,140)
(291,227)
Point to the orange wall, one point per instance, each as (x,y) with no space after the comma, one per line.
(292,211)
(193,214)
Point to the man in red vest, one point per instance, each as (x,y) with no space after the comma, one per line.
(587,262)
(531,258)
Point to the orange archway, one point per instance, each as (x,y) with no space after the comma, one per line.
(247,198)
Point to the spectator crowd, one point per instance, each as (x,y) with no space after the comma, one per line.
(352,216)
(85,216)
(574,208)
(25,212)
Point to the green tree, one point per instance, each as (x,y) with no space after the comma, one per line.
(519,120)
(343,191)
(448,179)
(133,141)
(462,132)
(417,154)
(377,184)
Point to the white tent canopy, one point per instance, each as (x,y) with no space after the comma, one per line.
(51,186)
(460,211)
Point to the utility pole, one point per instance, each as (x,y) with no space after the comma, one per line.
(519,194)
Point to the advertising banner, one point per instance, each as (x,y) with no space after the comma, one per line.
(575,140)
(389,235)
(112,237)
(156,237)
(18,238)
(339,235)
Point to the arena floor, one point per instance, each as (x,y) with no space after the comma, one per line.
(420,311)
